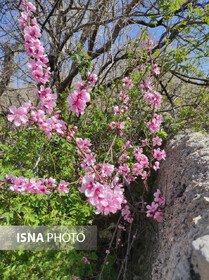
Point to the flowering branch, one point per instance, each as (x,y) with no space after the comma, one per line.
(102,183)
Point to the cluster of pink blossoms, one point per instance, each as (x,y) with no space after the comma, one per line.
(43,186)
(151,96)
(126,213)
(149,43)
(142,166)
(41,74)
(106,197)
(155,209)
(127,83)
(79,97)
(118,111)
(101,188)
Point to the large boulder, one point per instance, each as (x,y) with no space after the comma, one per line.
(182,250)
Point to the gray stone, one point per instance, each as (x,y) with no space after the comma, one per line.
(183,239)
(200,257)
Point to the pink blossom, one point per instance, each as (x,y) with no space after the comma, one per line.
(43,59)
(156,166)
(18,185)
(38,48)
(116,110)
(144,175)
(106,198)
(49,125)
(107,252)
(63,187)
(48,103)
(123,97)
(31,7)
(155,210)
(34,22)
(8,179)
(154,126)
(88,161)
(107,169)
(146,86)
(18,115)
(38,116)
(30,49)
(125,212)
(92,78)
(124,169)
(137,152)
(82,86)
(38,74)
(158,216)
(84,144)
(141,158)
(122,227)
(112,125)
(43,190)
(23,19)
(158,154)
(152,98)
(157,141)
(88,186)
(43,92)
(162,202)
(85,260)
(158,198)
(155,70)
(33,64)
(46,75)
(127,83)
(123,157)
(158,98)
(137,169)
(149,42)
(157,195)
(144,142)
(77,101)
(151,209)
(50,182)
(126,145)
(33,32)
(121,126)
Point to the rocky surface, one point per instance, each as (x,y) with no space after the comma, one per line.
(181,250)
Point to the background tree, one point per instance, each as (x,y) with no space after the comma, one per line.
(102,29)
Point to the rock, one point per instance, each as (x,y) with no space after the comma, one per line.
(200,258)
(182,248)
